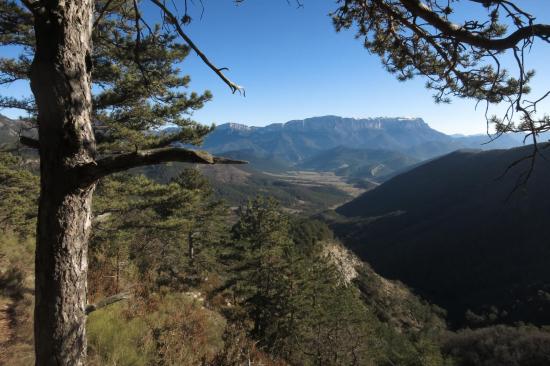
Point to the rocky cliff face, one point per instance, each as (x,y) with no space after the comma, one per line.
(299,139)
(391,301)
(10,129)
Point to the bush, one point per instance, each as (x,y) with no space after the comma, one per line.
(174,329)
(500,346)
(16,300)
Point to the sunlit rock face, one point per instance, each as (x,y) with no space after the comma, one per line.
(300,139)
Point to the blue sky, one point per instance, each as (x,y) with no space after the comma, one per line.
(293,65)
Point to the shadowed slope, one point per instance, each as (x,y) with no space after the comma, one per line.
(447,229)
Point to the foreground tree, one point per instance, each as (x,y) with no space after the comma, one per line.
(467,60)
(84,137)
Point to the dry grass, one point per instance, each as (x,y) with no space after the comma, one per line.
(318,179)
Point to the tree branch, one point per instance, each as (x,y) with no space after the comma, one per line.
(418,8)
(29,142)
(122,162)
(107,301)
(31,6)
(172,18)
(102,12)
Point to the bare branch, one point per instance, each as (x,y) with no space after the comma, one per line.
(420,9)
(107,301)
(122,162)
(219,71)
(29,142)
(32,6)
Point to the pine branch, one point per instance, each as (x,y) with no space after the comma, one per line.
(32,6)
(29,142)
(418,8)
(102,13)
(175,22)
(106,302)
(122,162)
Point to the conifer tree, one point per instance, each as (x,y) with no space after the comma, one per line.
(261,234)
(143,227)
(86,133)
(208,218)
(18,195)
(299,308)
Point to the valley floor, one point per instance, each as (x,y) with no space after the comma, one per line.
(319,179)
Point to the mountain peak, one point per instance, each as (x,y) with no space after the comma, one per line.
(235,126)
(336,122)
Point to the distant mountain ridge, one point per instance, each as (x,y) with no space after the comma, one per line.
(356,148)
(298,140)
(295,141)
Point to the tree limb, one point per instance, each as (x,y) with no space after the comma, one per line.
(418,8)
(102,12)
(172,18)
(29,142)
(32,6)
(107,301)
(122,162)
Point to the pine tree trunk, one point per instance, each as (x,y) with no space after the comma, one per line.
(190,247)
(60,81)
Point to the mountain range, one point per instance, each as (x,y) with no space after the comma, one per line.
(298,140)
(305,144)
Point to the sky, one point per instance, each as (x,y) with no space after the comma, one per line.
(293,65)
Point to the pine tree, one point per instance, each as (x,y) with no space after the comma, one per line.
(18,196)
(102,81)
(208,219)
(146,226)
(292,298)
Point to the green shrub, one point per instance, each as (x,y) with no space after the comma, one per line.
(174,329)
(114,339)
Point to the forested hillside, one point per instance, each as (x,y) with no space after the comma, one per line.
(237,184)
(177,278)
(171,259)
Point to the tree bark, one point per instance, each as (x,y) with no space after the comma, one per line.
(61,84)
(190,247)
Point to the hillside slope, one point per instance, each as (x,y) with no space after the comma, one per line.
(447,229)
(10,130)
